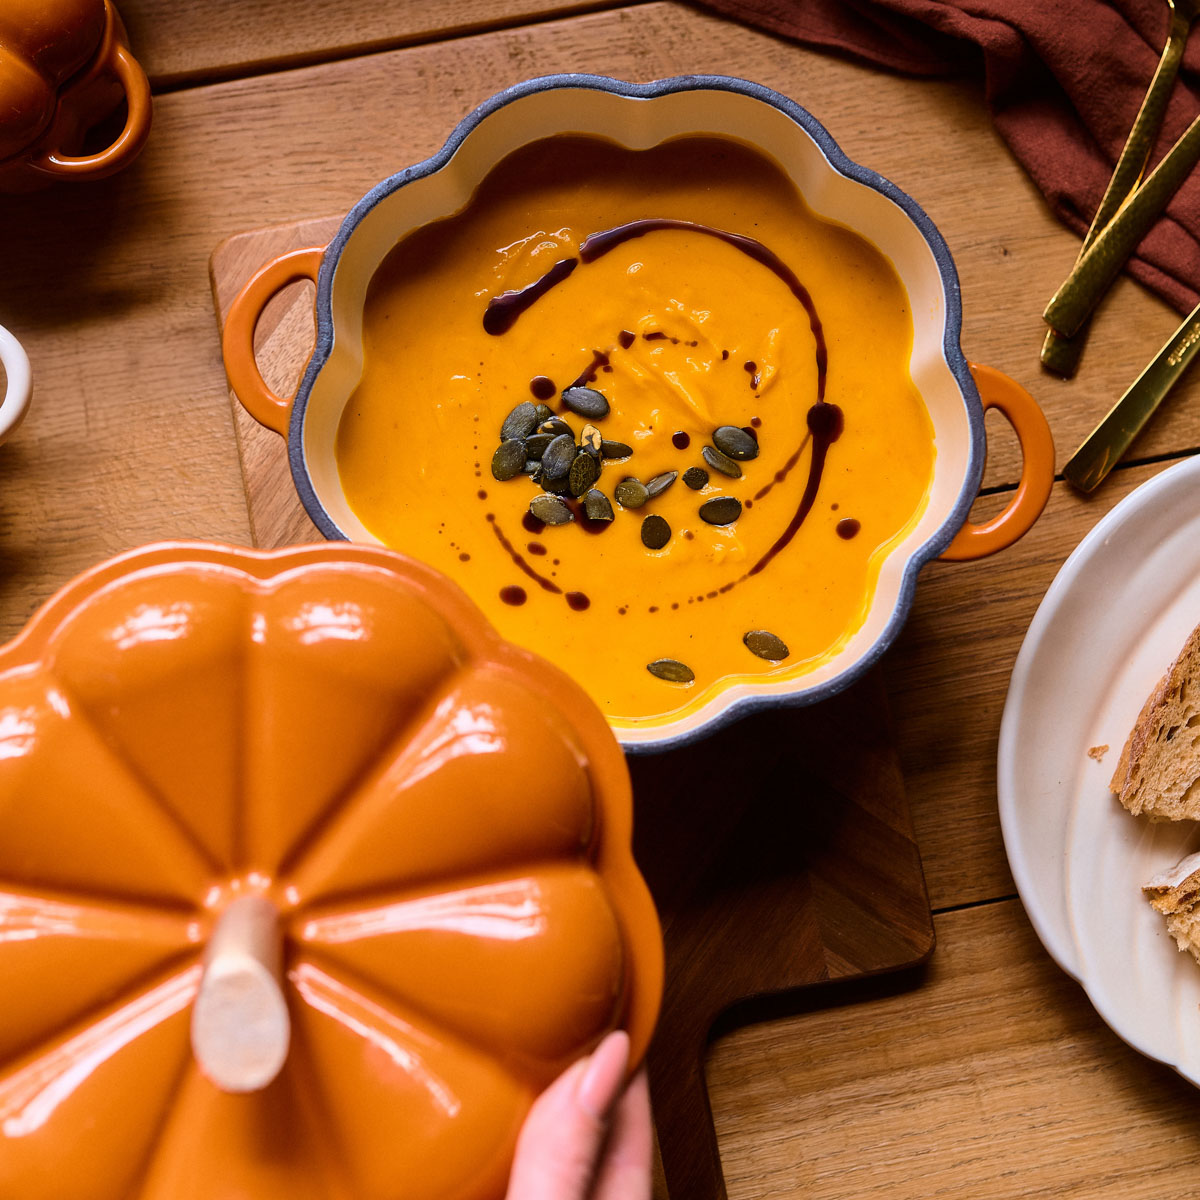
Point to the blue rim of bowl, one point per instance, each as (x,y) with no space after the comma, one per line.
(746,705)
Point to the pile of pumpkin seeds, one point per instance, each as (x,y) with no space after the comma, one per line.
(543,447)
(536,444)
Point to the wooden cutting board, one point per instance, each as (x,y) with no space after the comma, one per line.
(780,851)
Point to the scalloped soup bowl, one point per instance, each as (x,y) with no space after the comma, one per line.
(750,276)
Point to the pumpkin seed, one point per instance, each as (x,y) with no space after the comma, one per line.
(660,483)
(533,469)
(735,442)
(536,443)
(721,462)
(520,422)
(558,456)
(559,487)
(631,493)
(550,510)
(596,506)
(587,402)
(554,426)
(695,478)
(585,470)
(656,533)
(591,441)
(614,449)
(544,412)
(721,510)
(766,645)
(672,670)
(509,460)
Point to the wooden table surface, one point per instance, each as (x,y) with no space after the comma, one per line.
(984,1074)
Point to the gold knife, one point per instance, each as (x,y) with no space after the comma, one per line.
(1106,444)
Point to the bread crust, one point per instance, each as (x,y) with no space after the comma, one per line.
(1159,769)
(1175,894)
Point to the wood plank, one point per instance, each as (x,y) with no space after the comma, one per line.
(184,41)
(947,676)
(986,1075)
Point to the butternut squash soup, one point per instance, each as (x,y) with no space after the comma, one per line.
(652,413)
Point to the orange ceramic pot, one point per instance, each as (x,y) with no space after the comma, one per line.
(638,117)
(64,66)
(308,884)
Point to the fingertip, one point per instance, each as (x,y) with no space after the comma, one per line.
(604,1078)
(563,1136)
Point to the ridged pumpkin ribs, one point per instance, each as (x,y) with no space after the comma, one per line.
(438,823)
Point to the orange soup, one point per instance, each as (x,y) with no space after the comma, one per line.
(649,410)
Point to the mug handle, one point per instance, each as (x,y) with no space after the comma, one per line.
(237,339)
(1022,412)
(20,384)
(128,71)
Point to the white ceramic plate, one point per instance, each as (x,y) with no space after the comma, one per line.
(1116,615)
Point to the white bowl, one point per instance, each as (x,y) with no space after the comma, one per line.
(19,389)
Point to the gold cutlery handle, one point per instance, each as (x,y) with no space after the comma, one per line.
(1059,352)
(1106,444)
(1100,263)
(1146,124)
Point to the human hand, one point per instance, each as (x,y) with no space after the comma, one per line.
(585,1140)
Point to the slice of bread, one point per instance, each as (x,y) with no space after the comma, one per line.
(1175,893)
(1159,771)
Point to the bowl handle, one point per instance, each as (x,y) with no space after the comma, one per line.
(120,62)
(998,391)
(20,383)
(237,340)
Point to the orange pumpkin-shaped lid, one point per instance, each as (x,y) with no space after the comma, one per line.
(42,44)
(298,823)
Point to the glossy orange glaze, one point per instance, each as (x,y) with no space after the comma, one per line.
(65,65)
(685,332)
(42,44)
(442,820)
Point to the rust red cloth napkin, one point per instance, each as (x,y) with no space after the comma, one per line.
(1063,78)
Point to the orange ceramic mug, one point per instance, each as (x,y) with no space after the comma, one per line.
(65,65)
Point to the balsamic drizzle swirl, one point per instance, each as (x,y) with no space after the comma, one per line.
(825,425)
(503,310)
(825,421)
(596,245)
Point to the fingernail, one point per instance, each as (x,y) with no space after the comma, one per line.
(601,1082)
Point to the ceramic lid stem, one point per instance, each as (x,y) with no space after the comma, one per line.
(240,1024)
